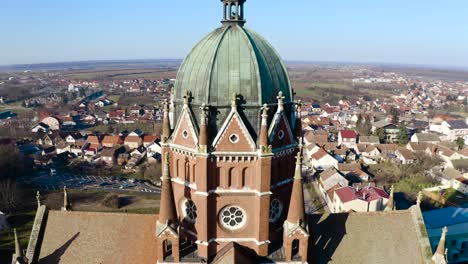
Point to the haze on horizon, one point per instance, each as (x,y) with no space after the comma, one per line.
(402,32)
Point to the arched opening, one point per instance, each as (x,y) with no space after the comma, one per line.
(177,168)
(187,171)
(231,180)
(226,10)
(194,169)
(295,248)
(232,11)
(167,248)
(246,178)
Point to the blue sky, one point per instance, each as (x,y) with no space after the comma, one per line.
(428,32)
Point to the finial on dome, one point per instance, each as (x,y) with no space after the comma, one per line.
(233,12)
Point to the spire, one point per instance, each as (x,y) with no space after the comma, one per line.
(390,204)
(439,255)
(419,199)
(66,204)
(187,98)
(38,198)
(203,129)
(264,128)
(296,212)
(298,119)
(18,250)
(167,213)
(280,98)
(233,12)
(166,124)
(234,99)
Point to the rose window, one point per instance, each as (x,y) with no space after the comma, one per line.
(232,217)
(190,210)
(275,210)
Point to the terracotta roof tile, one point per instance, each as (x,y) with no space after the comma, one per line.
(87,237)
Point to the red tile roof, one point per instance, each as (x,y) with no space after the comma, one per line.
(348,134)
(367,194)
(319,154)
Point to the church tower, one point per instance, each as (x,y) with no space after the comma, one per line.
(231,148)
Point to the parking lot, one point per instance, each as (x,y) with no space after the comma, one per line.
(80,182)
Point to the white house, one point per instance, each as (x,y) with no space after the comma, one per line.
(425,138)
(367,199)
(321,160)
(454,129)
(347,138)
(405,156)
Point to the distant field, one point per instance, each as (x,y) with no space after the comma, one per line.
(155,74)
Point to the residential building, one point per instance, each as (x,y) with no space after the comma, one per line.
(425,138)
(355,199)
(322,160)
(455,129)
(347,138)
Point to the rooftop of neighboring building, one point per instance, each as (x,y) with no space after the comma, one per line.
(89,237)
(374,237)
(348,134)
(368,193)
(457,124)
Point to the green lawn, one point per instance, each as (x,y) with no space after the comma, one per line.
(453,196)
(23,223)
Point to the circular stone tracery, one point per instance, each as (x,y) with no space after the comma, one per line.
(232,217)
(190,211)
(276,209)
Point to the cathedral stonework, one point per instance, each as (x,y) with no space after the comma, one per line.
(231,146)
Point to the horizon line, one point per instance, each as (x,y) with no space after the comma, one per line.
(287,61)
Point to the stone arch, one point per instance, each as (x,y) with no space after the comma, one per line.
(231,178)
(246,177)
(187,170)
(167,248)
(194,169)
(177,168)
(295,244)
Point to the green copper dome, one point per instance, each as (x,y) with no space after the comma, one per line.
(232,59)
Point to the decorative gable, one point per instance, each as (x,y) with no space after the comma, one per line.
(234,136)
(185,133)
(280,133)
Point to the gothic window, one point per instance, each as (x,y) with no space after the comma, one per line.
(276,209)
(189,210)
(234,138)
(232,217)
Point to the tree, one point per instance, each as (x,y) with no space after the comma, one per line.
(153,172)
(460,143)
(403,135)
(380,133)
(395,115)
(11,167)
(367,127)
